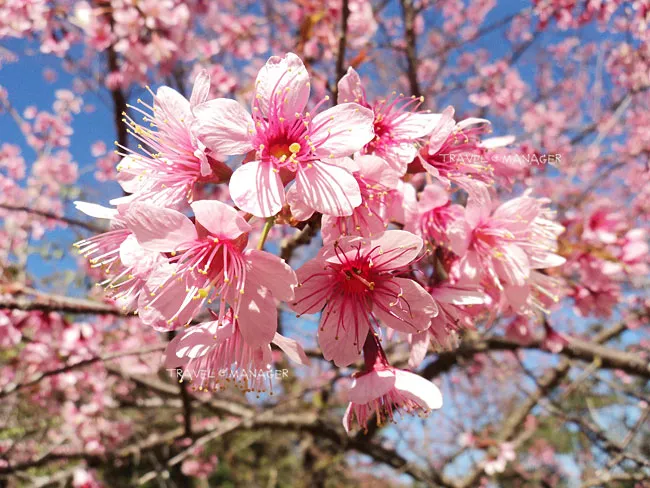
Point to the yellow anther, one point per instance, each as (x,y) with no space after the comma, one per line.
(294,147)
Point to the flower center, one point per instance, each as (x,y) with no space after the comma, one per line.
(357,278)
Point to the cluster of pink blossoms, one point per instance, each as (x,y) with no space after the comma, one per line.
(414,249)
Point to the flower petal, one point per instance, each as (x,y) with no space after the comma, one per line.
(395,248)
(314,282)
(342,130)
(292,349)
(220,219)
(258,317)
(201,89)
(367,387)
(159,229)
(266,269)
(257,189)
(283,83)
(224,126)
(341,340)
(418,389)
(94,210)
(328,189)
(350,89)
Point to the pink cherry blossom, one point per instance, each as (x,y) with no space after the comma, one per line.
(354,280)
(384,391)
(287,142)
(174,160)
(397,128)
(207,260)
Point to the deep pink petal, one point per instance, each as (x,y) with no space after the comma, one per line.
(411,313)
(314,283)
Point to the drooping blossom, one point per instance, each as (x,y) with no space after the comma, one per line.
(398,126)
(286,143)
(172,160)
(215,354)
(208,261)
(383,391)
(355,282)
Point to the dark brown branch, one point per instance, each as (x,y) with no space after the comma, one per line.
(409,15)
(57,303)
(48,215)
(343,40)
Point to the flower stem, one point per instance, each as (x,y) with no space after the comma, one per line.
(265,232)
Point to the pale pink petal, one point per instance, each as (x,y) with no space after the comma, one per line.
(286,80)
(220,219)
(292,349)
(342,130)
(494,142)
(395,248)
(96,211)
(258,317)
(130,171)
(269,270)
(328,189)
(257,189)
(341,344)
(512,265)
(172,103)
(464,124)
(347,421)
(366,387)
(433,196)
(201,89)
(442,131)
(299,210)
(159,229)
(377,169)
(416,125)
(350,89)
(411,313)
(418,389)
(419,346)
(196,342)
(224,126)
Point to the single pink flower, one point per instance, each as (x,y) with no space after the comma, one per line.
(207,260)
(354,281)
(506,245)
(383,391)
(287,143)
(398,127)
(174,160)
